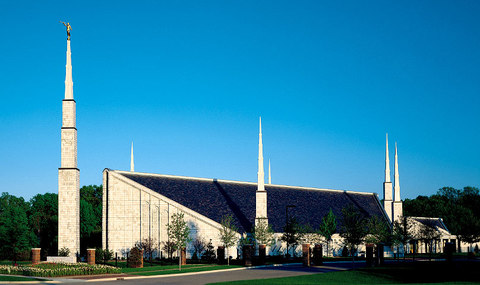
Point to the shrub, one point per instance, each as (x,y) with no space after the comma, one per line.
(64,251)
(101,254)
(58,269)
(135,259)
(345,251)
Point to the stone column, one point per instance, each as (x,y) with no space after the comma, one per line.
(184,256)
(318,254)
(306,254)
(91,256)
(262,252)
(36,255)
(221,254)
(247,255)
(369,254)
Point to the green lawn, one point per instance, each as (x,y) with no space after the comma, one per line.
(413,273)
(16,278)
(171,269)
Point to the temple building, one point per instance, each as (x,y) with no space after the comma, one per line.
(139,206)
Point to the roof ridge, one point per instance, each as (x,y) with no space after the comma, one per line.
(239,182)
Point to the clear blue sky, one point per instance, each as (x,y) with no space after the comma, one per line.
(187,81)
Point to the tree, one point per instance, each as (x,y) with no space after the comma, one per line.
(179,234)
(263,232)
(328,227)
(209,254)
(428,233)
(15,233)
(148,245)
(402,233)
(43,217)
(377,231)
(228,233)
(308,235)
(353,229)
(90,217)
(169,247)
(198,247)
(291,233)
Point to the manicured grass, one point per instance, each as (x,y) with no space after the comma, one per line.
(17,278)
(185,269)
(160,268)
(411,273)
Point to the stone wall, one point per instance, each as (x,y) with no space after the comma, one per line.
(133,213)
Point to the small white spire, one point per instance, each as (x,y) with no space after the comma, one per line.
(269,173)
(397,177)
(261,174)
(387,163)
(68,74)
(132,165)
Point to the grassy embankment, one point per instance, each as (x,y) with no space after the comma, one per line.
(406,273)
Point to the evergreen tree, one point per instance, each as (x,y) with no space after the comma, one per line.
(328,227)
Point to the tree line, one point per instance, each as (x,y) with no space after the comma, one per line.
(458,208)
(34,223)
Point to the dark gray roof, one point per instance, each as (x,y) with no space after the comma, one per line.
(431,222)
(215,198)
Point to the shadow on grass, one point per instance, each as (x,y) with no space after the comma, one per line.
(428,272)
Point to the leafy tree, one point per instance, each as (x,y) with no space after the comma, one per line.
(308,235)
(148,245)
(228,233)
(43,215)
(15,233)
(459,209)
(179,234)
(428,233)
(169,247)
(402,233)
(90,217)
(377,231)
(198,247)
(263,232)
(291,233)
(328,227)
(353,229)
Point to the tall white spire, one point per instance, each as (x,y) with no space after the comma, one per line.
(387,162)
(397,203)
(387,186)
(261,194)
(397,178)
(132,165)
(261,174)
(269,173)
(68,173)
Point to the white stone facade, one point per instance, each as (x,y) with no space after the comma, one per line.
(133,213)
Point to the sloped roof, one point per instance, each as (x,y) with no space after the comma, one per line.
(435,223)
(215,198)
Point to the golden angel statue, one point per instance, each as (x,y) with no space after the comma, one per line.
(69,28)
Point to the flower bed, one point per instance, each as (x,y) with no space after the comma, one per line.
(58,269)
